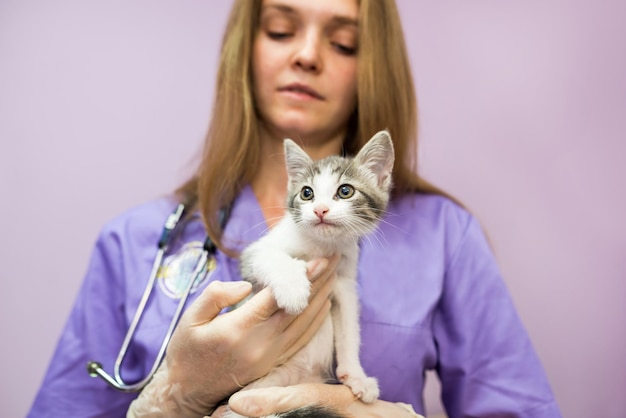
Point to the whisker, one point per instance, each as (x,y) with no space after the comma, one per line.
(396,227)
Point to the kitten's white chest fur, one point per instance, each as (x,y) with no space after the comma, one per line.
(331,205)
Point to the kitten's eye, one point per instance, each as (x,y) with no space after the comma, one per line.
(345,191)
(306,193)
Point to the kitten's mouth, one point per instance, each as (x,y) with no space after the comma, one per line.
(324,223)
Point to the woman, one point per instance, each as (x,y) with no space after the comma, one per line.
(329,74)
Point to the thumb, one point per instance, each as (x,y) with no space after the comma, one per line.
(263,401)
(217,296)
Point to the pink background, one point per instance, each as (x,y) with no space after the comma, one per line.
(523,112)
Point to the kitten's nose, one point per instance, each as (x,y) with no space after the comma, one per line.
(320,211)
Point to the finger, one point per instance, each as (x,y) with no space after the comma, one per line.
(263,305)
(305,325)
(328,270)
(258,402)
(220,412)
(381,408)
(217,296)
(316,267)
(405,407)
(260,307)
(302,338)
(292,327)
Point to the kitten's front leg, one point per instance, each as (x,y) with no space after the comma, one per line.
(345,314)
(284,275)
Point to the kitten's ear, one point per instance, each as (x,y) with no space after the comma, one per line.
(378,156)
(295,158)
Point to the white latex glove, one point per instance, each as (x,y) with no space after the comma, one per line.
(211,356)
(261,402)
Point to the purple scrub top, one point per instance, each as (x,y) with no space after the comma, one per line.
(432,298)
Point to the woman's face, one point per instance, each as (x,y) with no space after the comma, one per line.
(304,66)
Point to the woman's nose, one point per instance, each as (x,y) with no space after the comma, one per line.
(308,55)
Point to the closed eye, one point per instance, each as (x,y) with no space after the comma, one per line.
(277,36)
(344,49)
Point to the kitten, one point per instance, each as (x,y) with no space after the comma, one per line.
(331,203)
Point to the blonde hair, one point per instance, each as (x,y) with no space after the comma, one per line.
(385,99)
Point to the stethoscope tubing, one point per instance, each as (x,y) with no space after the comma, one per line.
(95,369)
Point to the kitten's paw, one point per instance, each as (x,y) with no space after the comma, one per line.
(294,296)
(294,299)
(365,388)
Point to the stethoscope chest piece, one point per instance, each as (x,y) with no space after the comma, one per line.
(178,268)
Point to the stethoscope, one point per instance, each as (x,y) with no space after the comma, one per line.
(200,270)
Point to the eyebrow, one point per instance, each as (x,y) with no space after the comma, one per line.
(337,20)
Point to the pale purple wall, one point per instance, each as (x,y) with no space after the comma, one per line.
(523,114)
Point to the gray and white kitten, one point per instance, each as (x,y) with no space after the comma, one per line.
(331,204)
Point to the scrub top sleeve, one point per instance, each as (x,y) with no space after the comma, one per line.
(94,331)
(486,362)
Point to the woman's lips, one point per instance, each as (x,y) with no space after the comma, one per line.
(301,90)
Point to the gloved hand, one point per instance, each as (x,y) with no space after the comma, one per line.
(211,356)
(261,402)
